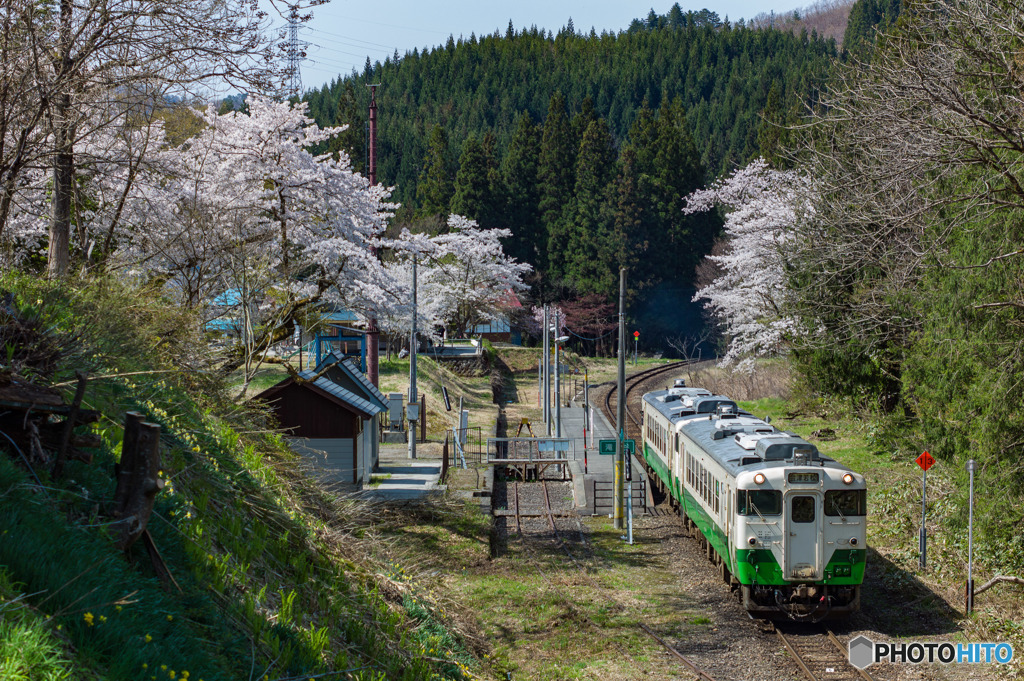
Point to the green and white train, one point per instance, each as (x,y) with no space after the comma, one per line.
(784,524)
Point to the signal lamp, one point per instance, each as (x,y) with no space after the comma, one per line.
(848,478)
(759,478)
(853,541)
(752,541)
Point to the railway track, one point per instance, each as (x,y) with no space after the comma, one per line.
(819,654)
(558,535)
(700,673)
(632,383)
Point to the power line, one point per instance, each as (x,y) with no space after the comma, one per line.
(350,38)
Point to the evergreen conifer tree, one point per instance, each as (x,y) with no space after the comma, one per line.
(557,176)
(434,190)
(519,169)
(585,235)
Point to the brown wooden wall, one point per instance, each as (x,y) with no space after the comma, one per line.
(304,413)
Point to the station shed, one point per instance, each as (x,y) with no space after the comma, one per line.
(331,415)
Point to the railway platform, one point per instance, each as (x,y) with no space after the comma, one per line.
(593,473)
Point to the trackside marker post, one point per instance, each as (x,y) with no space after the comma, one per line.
(972,466)
(925,461)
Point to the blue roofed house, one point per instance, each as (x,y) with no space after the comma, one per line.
(331,415)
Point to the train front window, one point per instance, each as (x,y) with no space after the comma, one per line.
(803,510)
(846,502)
(759,502)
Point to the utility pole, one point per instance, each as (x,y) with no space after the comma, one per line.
(620,412)
(412,406)
(547,372)
(372,332)
(558,383)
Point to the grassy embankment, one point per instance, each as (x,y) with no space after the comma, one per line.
(275,579)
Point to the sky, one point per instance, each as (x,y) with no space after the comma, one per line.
(343,33)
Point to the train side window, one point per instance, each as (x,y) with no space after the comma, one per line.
(802,510)
(754,501)
(845,502)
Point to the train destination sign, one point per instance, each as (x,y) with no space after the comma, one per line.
(925,461)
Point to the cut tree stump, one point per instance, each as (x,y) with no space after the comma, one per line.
(138,479)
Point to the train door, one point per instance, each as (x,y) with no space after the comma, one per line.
(677,472)
(803,536)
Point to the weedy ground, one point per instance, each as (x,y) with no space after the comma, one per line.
(273,578)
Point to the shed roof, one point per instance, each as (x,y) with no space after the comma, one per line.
(347,396)
(327,388)
(348,365)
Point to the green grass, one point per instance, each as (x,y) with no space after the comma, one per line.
(30,647)
(272,578)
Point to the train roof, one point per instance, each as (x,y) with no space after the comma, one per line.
(734,438)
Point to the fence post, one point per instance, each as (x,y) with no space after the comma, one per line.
(444,459)
(423,417)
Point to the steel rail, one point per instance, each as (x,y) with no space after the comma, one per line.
(701,674)
(795,655)
(833,640)
(846,651)
(547,507)
(635,380)
(519,524)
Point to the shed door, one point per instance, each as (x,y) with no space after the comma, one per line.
(803,537)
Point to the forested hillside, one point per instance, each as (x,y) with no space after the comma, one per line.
(583,145)
(722,73)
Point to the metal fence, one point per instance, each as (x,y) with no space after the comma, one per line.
(530,449)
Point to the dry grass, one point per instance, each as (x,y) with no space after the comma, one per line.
(769,379)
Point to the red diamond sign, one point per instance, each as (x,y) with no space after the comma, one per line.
(925,461)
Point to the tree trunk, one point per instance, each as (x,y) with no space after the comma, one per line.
(58,259)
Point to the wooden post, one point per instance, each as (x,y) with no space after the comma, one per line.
(444,459)
(138,479)
(69,426)
(423,417)
(129,449)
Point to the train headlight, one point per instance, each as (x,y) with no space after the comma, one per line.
(848,478)
(853,541)
(759,478)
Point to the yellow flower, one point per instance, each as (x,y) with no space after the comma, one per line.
(171,673)
(118,608)
(163,667)
(88,618)
(103,618)
(148,638)
(170,618)
(145,666)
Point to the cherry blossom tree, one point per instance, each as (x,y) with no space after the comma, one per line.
(243,223)
(749,295)
(464,277)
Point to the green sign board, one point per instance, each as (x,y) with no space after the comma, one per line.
(608,446)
